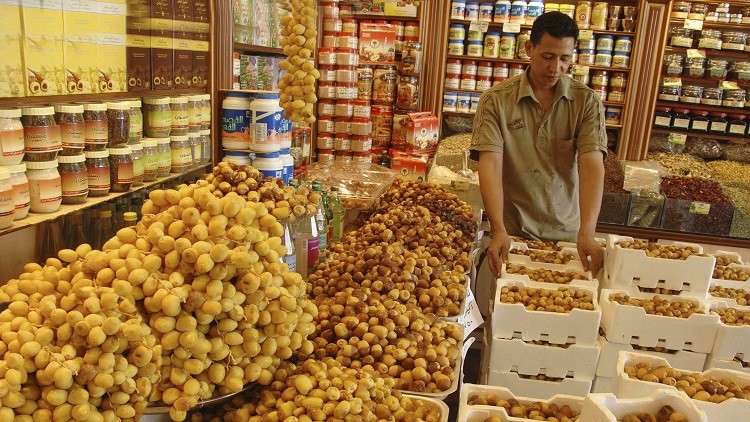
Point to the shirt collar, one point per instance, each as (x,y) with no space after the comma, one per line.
(562,89)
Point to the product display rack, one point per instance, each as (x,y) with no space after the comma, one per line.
(726,137)
(496,25)
(662,234)
(257,49)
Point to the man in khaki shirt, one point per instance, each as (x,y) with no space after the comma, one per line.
(541,139)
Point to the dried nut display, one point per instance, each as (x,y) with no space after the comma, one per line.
(326,391)
(284,203)
(298,39)
(545,256)
(456,144)
(536,410)
(363,330)
(561,300)
(696,385)
(436,199)
(544,275)
(665,414)
(542,245)
(725,260)
(659,306)
(682,164)
(742,297)
(730,273)
(657,250)
(733,316)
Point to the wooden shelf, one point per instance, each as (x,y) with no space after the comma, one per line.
(521,61)
(498,25)
(724,54)
(101,97)
(460,114)
(707,135)
(385,17)
(258,49)
(702,107)
(249,91)
(716,25)
(613,103)
(34,218)
(657,234)
(466,91)
(713,82)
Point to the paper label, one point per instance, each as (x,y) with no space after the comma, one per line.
(479,26)
(693,53)
(663,121)
(512,27)
(585,34)
(693,24)
(677,138)
(580,70)
(729,85)
(700,208)
(672,82)
(472,318)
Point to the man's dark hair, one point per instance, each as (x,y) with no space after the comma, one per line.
(556,24)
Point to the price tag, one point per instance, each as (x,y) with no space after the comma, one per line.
(479,26)
(700,208)
(472,318)
(694,53)
(579,69)
(672,82)
(585,34)
(677,138)
(729,85)
(693,24)
(512,27)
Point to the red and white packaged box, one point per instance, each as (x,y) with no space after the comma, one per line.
(421,130)
(377,43)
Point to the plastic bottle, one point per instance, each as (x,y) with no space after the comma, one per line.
(306,244)
(321,220)
(269,164)
(290,259)
(235,111)
(287,164)
(338,213)
(265,123)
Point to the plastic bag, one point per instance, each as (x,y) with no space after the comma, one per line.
(708,149)
(642,176)
(662,142)
(739,153)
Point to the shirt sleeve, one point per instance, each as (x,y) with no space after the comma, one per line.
(486,135)
(592,134)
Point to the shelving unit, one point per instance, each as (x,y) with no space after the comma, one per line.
(385,17)
(103,97)
(460,114)
(497,25)
(715,25)
(701,107)
(709,135)
(725,54)
(258,50)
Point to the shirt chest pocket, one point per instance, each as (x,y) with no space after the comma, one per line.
(563,153)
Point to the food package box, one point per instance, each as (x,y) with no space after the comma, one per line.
(732,341)
(377,43)
(729,410)
(603,385)
(573,265)
(444,410)
(609,408)
(421,130)
(540,389)
(400,8)
(259,73)
(585,280)
(138,51)
(578,326)
(43,47)
(409,165)
(631,268)
(468,412)
(11,36)
(111,53)
(735,365)
(610,352)
(727,284)
(632,325)
(571,361)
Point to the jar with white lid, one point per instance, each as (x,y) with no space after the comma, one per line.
(164,152)
(157,117)
(20,184)
(45,186)
(205,146)
(194,112)
(7,206)
(11,137)
(72,127)
(136,121)
(95,126)
(97,168)
(150,159)
(74,176)
(205,111)
(287,163)
(269,164)
(136,152)
(182,156)
(195,147)
(180,116)
(120,169)
(41,134)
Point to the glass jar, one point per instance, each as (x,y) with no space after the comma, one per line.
(681,118)
(604,43)
(95,124)
(734,98)
(157,117)
(164,152)
(700,121)
(732,40)
(587,44)
(195,147)
(620,61)
(669,93)
(150,159)
(206,146)
(136,122)
(737,124)
(11,137)
(474,49)
(97,168)
(118,121)
(742,69)
(45,186)
(599,15)
(681,9)
(136,153)
(712,96)
(600,78)
(41,134)
(74,177)
(710,38)
(691,94)
(603,58)
(681,37)
(456,32)
(7,206)
(507,46)
(718,123)
(194,112)
(180,116)
(20,183)
(698,11)
(673,64)
(616,95)
(717,68)
(586,57)
(384,85)
(205,111)
(618,80)
(695,66)
(663,117)
(181,154)
(521,40)
(120,169)
(72,128)
(623,44)
(492,45)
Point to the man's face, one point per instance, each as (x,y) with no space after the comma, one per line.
(550,59)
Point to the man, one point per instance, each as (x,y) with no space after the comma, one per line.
(541,140)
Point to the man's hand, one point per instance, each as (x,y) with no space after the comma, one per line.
(497,251)
(591,253)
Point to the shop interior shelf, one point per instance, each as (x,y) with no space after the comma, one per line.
(468,91)
(701,107)
(34,218)
(725,137)
(522,61)
(724,54)
(462,114)
(497,25)
(707,81)
(724,26)
(661,234)
(258,49)
(98,97)
(385,17)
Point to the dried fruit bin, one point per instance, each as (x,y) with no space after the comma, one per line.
(574,361)
(729,410)
(588,281)
(609,408)
(537,388)
(728,284)
(573,265)
(732,341)
(740,224)
(685,216)
(646,209)
(630,324)
(610,352)
(578,326)
(479,413)
(626,267)
(462,307)
(444,410)
(615,208)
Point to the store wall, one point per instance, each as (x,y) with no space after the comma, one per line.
(16,249)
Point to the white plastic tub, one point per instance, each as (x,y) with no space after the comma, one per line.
(610,352)
(609,408)
(576,361)
(468,412)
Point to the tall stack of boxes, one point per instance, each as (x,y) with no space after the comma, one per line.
(11,37)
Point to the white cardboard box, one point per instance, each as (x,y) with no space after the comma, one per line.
(632,325)
(630,269)
(539,389)
(577,326)
(588,281)
(734,365)
(729,284)
(609,408)
(604,385)
(731,340)
(444,410)
(475,413)
(728,410)
(575,361)
(610,351)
